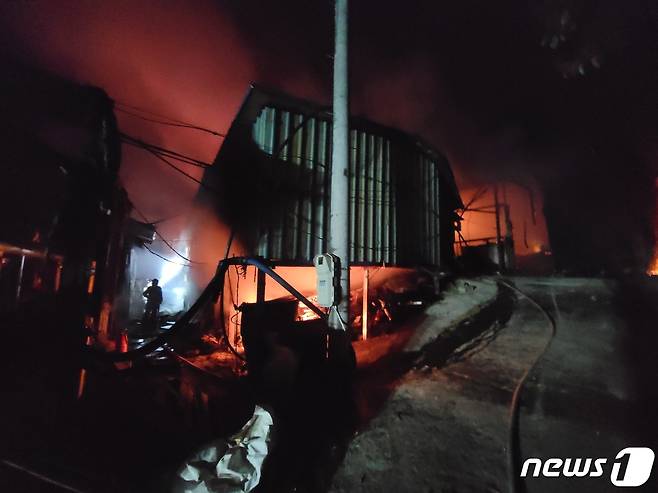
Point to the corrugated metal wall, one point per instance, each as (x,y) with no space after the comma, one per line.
(300,234)
(430,212)
(372,200)
(384,192)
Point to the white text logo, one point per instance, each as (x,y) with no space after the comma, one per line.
(631,467)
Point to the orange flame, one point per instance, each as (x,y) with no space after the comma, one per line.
(653,266)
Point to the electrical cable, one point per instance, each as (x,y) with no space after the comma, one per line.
(165,240)
(236,303)
(153,224)
(222,324)
(237,287)
(340,318)
(159,151)
(165,258)
(168,163)
(182,172)
(176,251)
(42,477)
(148,112)
(221,271)
(222,320)
(170,154)
(172,122)
(289,138)
(134,141)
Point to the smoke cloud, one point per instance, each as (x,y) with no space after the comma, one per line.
(556,94)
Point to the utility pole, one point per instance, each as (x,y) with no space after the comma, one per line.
(339,205)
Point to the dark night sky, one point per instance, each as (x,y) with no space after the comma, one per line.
(561,92)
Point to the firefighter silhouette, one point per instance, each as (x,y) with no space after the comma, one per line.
(153,295)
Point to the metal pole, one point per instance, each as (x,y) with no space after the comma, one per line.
(58,276)
(19,281)
(260,286)
(509,238)
(339,215)
(499,245)
(364,313)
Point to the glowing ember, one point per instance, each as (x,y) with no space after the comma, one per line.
(305,313)
(210,339)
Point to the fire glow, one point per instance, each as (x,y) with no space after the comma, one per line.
(652,270)
(653,267)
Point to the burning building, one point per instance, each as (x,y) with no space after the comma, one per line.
(269,185)
(403,195)
(62,204)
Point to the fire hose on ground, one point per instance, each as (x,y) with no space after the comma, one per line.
(514,440)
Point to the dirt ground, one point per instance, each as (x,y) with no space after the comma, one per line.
(444,425)
(445,429)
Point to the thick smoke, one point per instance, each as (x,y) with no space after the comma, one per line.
(558,94)
(183,61)
(554,93)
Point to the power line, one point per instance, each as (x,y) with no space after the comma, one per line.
(172,165)
(182,172)
(163,120)
(164,151)
(134,141)
(165,241)
(147,148)
(165,258)
(148,112)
